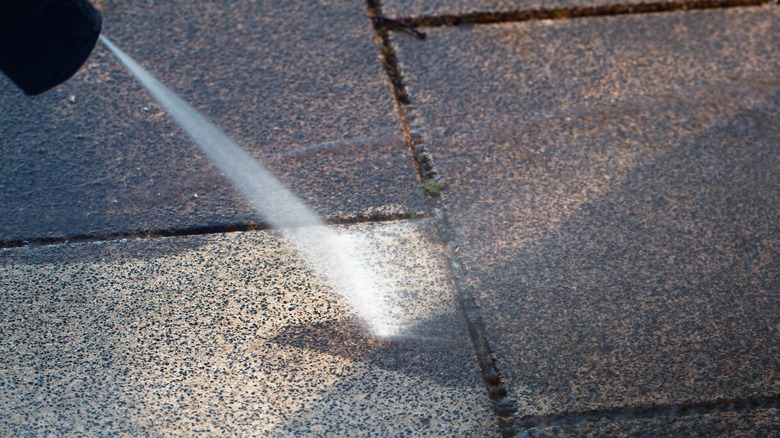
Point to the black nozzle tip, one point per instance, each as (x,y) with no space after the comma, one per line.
(43,43)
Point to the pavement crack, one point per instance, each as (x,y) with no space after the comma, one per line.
(572,12)
(571,422)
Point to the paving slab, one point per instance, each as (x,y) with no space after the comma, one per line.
(761,422)
(614,184)
(299,86)
(231,335)
(454,8)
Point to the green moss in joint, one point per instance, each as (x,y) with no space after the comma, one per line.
(433,186)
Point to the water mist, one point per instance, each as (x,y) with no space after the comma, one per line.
(329,254)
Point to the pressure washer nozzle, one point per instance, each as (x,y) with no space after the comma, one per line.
(43,43)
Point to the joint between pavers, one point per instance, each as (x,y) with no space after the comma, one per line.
(147,234)
(387,53)
(574,12)
(196,230)
(410,119)
(504,407)
(573,421)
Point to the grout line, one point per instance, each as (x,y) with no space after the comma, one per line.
(573,12)
(112,236)
(387,53)
(504,408)
(410,122)
(578,420)
(194,231)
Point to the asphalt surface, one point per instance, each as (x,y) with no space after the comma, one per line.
(573,207)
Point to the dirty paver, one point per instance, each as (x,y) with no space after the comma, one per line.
(230,334)
(406,9)
(300,86)
(614,184)
(751,423)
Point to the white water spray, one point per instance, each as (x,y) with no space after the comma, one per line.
(329,254)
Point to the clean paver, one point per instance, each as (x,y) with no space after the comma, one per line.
(230,334)
(615,186)
(300,86)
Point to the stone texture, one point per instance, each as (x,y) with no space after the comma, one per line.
(615,186)
(423,8)
(752,423)
(230,335)
(300,86)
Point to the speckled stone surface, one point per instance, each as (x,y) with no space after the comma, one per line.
(300,86)
(762,422)
(230,335)
(423,8)
(615,183)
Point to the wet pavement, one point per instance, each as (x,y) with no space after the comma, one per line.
(303,93)
(602,260)
(229,334)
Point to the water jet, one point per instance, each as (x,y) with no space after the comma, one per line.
(333,256)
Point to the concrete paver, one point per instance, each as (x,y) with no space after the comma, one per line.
(425,8)
(229,334)
(733,424)
(614,183)
(300,86)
